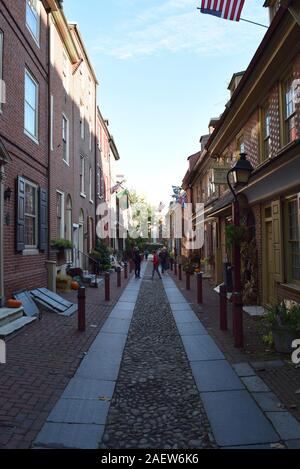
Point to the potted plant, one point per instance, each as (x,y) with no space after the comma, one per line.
(60,246)
(189,267)
(284,318)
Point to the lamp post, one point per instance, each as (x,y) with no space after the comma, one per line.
(241,173)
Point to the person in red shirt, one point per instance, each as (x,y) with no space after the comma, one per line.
(155,265)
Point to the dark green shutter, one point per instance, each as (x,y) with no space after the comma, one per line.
(20,215)
(43,219)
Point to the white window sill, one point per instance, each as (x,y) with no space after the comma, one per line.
(91,201)
(34,139)
(31,252)
(82,195)
(66,162)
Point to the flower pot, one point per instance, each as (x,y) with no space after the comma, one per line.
(61,257)
(283,337)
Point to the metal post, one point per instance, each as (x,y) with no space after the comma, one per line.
(81,309)
(236,268)
(180,272)
(118,277)
(200,288)
(175,268)
(125,270)
(188,281)
(237,311)
(223,307)
(107,287)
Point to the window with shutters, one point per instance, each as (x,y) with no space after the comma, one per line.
(82,177)
(31,106)
(31,215)
(293,240)
(82,123)
(60,214)
(265,128)
(33,18)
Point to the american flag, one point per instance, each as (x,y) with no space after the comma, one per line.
(227,9)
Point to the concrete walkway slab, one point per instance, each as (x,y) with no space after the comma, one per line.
(237,420)
(80,388)
(268,401)
(215,376)
(185,316)
(121,313)
(79,411)
(255,384)
(285,424)
(180,305)
(201,348)
(191,328)
(243,369)
(116,326)
(72,436)
(109,346)
(126,305)
(92,367)
(293,444)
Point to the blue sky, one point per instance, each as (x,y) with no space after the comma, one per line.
(163,70)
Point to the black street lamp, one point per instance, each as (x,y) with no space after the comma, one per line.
(241,172)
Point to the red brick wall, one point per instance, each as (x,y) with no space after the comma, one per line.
(29,159)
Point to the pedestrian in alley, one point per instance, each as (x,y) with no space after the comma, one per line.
(155,265)
(137,262)
(146,254)
(163,255)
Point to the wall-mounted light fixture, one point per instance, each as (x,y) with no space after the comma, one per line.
(7,193)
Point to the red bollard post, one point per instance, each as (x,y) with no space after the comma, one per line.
(199,288)
(180,272)
(107,286)
(125,270)
(237,312)
(81,309)
(223,307)
(188,280)
(118,277)
(175,268)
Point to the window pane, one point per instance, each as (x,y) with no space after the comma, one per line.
(30,200)
(30,123)
(32,18)
(30,232)
(30,91)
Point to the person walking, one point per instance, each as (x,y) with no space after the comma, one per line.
(137,262)
(146,254)
(164,260)
(155,265)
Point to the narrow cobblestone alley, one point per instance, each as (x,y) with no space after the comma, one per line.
(156,403)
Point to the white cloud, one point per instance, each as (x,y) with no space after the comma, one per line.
(176,26)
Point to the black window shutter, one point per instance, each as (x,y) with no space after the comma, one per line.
(43,219)
(20,215)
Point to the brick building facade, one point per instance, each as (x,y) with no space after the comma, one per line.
(48,145)
(262,120)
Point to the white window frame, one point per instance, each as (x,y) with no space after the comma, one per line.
(82,173)
(62,208)
(51,121)
(35,137)
(67,160)
(36,217)
(82,121)
(91,185)
(90,136)
(65,71)
(29,6)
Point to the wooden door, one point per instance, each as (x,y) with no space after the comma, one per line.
(270,294)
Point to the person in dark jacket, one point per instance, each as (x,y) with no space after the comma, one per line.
(137,262)
(163,256)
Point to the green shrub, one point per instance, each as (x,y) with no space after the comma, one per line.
(61,244)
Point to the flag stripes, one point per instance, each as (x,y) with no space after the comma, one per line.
(227,9)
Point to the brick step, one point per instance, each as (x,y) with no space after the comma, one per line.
(8,315)
(14,326)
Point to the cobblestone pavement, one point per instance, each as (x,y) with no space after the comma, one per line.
(283,381)
(42,359)
(156,403)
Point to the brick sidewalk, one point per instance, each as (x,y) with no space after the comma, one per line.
(284,381)
(42,358)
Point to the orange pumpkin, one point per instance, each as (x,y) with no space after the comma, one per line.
(75,285)
(14,303)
